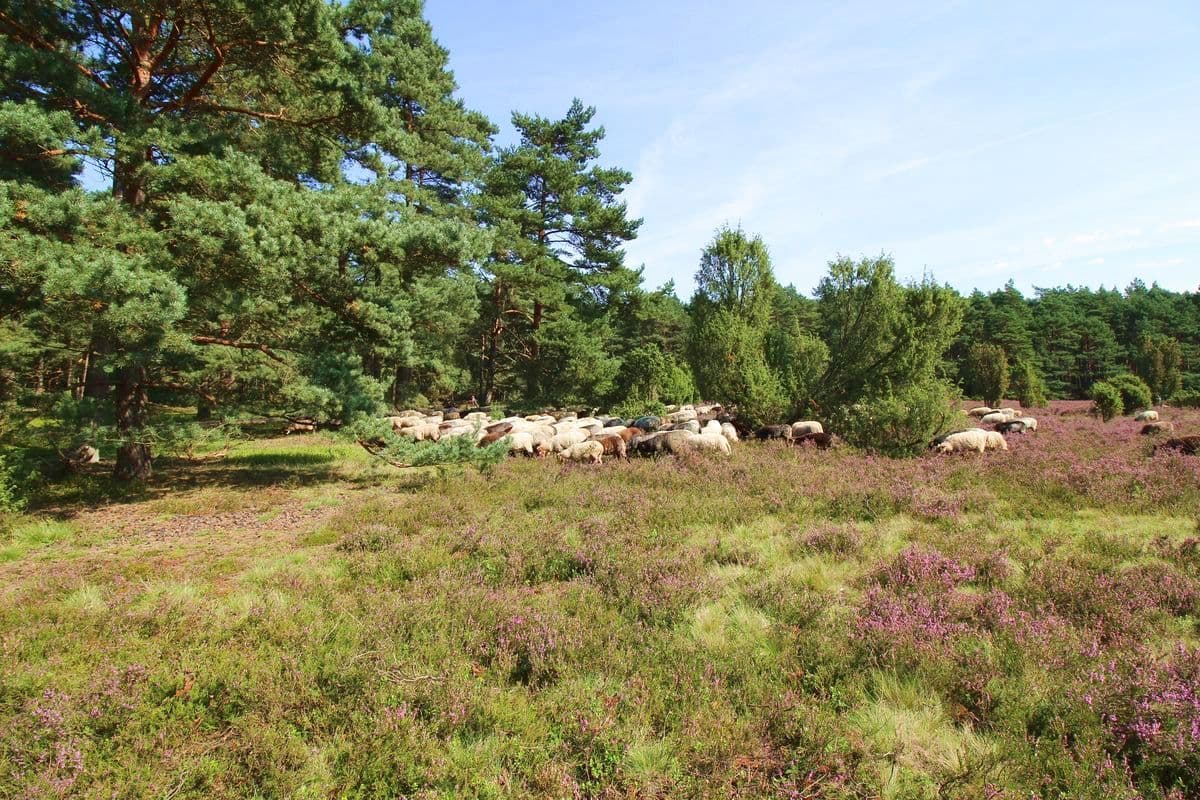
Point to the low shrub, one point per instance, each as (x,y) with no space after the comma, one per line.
(1109,403)
(1135,394)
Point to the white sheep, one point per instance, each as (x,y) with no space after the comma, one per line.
(712,426)
(729,432)
(567,439)
(1029,422)
(714,442)
(975,440)
(807,426)
(981,411)
(995,417)
(1147,416)
(521,442)
(584,451)
(424,432)
(682,415)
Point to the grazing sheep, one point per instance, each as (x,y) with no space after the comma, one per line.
(613,445)
(648,424)
(808,426)
(489,438)
(520,443)
(425,432)
(774,432)
(476,416)
(1188,445)
(1154,428)
(678,441)
(995,418)
(822,440)
(500,427)
(711,442)
(457,430)
(615,422)
(1012,426)
(683,415)
(711,426)
(729,432)
(1030,423)
(567,439)
(648,444)
(939,439)
(301,426)
(972,441)
(1148,415)
(592,452)
(981,411)
(627,434)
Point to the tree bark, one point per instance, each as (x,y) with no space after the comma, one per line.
(535,350)
(133,457)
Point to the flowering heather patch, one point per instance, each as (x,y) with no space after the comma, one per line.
(1151,706)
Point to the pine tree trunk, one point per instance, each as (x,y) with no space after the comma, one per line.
(133,457)
(85,364)
(535,351)
(39,377)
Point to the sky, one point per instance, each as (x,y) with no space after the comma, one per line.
(1046,143)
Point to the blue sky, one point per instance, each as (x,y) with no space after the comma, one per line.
(1049,143)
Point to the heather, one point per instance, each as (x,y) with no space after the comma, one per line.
(294,620)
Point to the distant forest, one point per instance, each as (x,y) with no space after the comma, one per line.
(306,221)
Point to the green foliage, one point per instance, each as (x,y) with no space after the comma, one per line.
(400,451)
(735,276)
(652,378)
(1159,362)
(1028,385)
(729,362)
(557,258)
(901,422)
(1186,398)
(798,360)
(1135,394)
(731,309)
(12,498)
(885,348)
(987,372)
(1109,403)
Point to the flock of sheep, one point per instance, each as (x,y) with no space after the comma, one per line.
(686,429)
(691,429)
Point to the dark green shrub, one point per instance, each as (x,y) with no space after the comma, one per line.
(1028,386)
(899,423)
(1108,400)
(1186,398)
(1135,394)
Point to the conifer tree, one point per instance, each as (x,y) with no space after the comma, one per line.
(558,255)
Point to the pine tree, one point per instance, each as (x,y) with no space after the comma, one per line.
(234,248)
(558,254)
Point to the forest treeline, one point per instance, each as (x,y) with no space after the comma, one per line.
(306,221)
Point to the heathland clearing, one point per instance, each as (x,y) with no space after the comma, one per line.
(291,621)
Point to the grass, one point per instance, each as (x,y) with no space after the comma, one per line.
(291,621)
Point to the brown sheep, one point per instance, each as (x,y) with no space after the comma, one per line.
(614,445)
(628,433)
(499,427)
(822,441)
(492,438)
(1188,445)
(1151,428)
